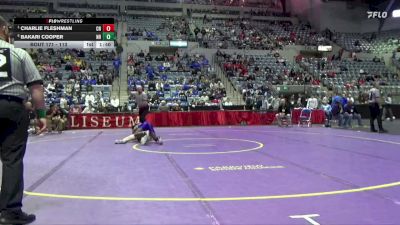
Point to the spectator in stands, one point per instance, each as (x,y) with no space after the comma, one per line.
(103,67)
(75,109)
(337,112)
(64,105)
(56,119)
(195,65)
(376,59)
(387,109)
(89,99)
(350,113)
(328,112)
(283,111)
(312,103)
(51,86)
(350,98)
(276,101)
(59,87)
(81,53)
(228,102)
(116,63)
(115,104)
(300,102)
(68,67)
(141,54)
(67,57)
(176,106)
(148,57)
(204,98)
(93,81)
(89,108)
(163,107)
(77,88)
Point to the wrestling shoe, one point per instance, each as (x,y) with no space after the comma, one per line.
(159,141)
(119,142)
(144,139)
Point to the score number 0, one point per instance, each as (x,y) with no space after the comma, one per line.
(106,28)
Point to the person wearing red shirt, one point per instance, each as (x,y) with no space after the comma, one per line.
(76,68)
(292,36)
(315,82)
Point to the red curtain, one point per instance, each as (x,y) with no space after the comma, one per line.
(198,118)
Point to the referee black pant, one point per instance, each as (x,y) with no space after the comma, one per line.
(375,113)
(143,111)
(14,124)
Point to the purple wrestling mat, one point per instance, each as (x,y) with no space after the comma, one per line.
(215,175)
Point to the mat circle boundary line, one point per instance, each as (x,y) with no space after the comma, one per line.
(260,146)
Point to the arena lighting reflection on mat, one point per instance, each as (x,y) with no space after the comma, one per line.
(259,146)
(249,198)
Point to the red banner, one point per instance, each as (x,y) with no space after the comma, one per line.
(171,119)
(95,121)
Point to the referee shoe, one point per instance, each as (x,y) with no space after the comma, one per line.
(16,217)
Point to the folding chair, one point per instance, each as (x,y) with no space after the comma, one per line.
(305,117)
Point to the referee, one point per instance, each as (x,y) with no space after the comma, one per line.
(141,100)
(375,108)
(17,70)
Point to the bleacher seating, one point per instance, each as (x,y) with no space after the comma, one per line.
(78,72)
(384,42)
(352,76)
(157,28)
(187,82)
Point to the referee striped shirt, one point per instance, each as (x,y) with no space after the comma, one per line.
(374,95)
(23,70)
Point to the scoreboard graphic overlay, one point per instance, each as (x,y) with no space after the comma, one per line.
(64,33)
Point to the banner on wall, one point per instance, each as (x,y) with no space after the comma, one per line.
(95,121)
(175,119)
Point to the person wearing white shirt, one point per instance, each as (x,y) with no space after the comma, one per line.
(167,65)
(350,98)
(77,86)
(328,111)
(89,108)
(51,86)
(228,102)
(89,98)
(159,86)
(312,103)
(115,103)
(103,102)
(221,85)
(275,103)
(387,109)
(64,104)
(204,98)
(268,102)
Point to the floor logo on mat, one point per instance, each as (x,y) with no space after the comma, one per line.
(238,168)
